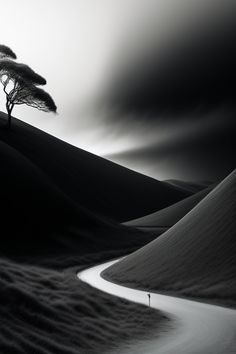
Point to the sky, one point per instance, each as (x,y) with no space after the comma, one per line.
(149,84)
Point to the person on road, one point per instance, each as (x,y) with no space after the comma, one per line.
(149,299)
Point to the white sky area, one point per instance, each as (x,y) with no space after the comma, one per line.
(75,45)
(70,43)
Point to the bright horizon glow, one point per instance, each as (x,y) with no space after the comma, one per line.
(77,46)
(72,45)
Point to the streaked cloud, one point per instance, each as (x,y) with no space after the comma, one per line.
(133,78)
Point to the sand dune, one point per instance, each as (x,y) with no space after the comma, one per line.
(196,257)
(169,216)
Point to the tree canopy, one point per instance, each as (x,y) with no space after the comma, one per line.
(20,85)
(16,71)
(6,52)
(31,95)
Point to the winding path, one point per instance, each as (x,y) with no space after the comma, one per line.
(198,328)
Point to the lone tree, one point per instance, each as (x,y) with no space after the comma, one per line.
(20,85)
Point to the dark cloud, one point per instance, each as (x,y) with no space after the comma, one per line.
(188,77)
(192,69)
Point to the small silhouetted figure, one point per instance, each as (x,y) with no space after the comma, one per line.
(149,299)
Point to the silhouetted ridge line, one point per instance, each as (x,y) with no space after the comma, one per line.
(82,176)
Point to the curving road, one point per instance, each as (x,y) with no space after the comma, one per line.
(198,328)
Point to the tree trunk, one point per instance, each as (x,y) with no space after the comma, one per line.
(9,110)
(9,120)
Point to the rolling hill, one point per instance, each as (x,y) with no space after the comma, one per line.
(37,217)
(49,230)
(97,184)
(193,187)
(53,196)
(169,216)
(196,257)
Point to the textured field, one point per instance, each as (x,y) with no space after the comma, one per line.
(46,311)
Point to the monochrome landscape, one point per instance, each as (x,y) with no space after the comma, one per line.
(118,180)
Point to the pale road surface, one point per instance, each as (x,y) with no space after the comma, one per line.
(198,328)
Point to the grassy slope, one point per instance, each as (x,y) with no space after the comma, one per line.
(169,216)
(44,311)
(196,257)
(97,184)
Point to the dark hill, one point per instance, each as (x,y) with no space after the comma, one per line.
(35,214)
(45,225)
(193,187)
(196,256)
(37,217)
(97,184)
(169,216)
(40,212)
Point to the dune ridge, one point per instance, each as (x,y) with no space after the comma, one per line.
(196,257)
